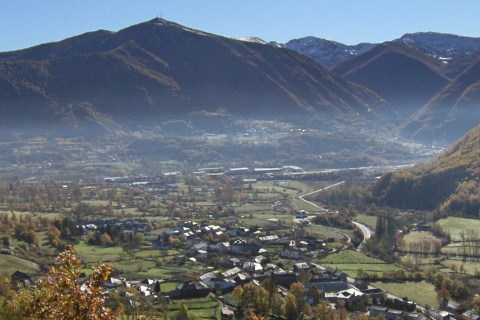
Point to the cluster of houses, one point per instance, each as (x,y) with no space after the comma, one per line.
(333,286)
(245,260)
(127,225)
(296,246)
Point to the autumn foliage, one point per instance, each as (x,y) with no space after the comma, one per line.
(60,295)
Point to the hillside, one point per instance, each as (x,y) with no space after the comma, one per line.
(449,183)
(404,77)
(451,112)
(157,70)
(326,53)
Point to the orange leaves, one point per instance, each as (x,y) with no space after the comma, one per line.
(59,295)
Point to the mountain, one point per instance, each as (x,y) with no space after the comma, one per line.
(404,77)
(325,52)
(446,48)
(443,46)
(451,112)
(450,183)
(159,69)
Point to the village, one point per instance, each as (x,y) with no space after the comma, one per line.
(233,257)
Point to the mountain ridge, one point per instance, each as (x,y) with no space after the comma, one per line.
(159,68)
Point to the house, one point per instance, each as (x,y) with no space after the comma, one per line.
(374,293)
(291,253)
(191,290)
(470,315)
(350,295)
(234,262)
(285,279)
(389,314)
(224,247)
(241,246)
(269,239)
(302,214)
(209,279)
(252,267)
(456,308)
(375,311)
(438,314)
(303,266)
(330,286)
(224,285)
(201,255)
(237,232)
(227,313)
(230,273)
(22,278)
(113,283)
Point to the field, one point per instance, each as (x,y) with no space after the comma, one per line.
(456,225)
(422,293)
(199,308)
(370,221)
(91,254)
(351,262)
(419,236)
(9,264)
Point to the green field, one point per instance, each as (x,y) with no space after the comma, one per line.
(469,267)
(350,262)
(91,254)
(370,221)
(348,257)
(199,307)
(456,225)
(419,236)
(422,293)
(9,264)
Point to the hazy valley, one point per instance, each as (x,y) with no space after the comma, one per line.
(221,176)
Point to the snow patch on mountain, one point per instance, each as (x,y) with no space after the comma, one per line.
(325,52)
(251,39)
(440,45)
(328,53)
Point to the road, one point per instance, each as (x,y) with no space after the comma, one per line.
(323,209)
(367,234)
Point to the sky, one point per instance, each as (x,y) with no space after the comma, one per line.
(25,23)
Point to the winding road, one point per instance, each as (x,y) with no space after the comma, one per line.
(367,232)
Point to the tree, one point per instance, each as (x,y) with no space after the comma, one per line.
(315,293)
(476,304)
(453,267)
(59,294)
(341,312)
(297,290)
(164,307)
(270,284)
(291,312)
(443,294)
(323,311)
(6,240)
(105,240)
(237,295)
(223,237)
(182,311)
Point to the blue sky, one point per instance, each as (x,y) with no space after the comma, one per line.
(24,23)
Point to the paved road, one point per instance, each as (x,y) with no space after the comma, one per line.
(367,234)
(323,209)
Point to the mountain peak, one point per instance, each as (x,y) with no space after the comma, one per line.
(440,45)
(326,52)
